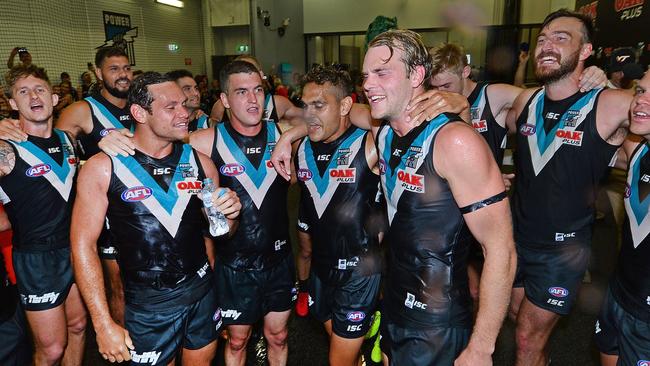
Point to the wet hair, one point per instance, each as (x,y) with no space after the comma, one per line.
(105,52)
(586,20)
(448,57)
(21,71)
(414,52)
(235,67)
(178,74)
(339,79)
(139,92)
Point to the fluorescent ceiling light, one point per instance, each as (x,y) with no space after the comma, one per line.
(175,3)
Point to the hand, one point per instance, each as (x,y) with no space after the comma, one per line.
(473,357)
(281,158)
(14,51)
(199,113)
(431,103)
(523,57)
(114,343)
(117,142)
(227,202)
(507,180)
(591,78)
(10,130)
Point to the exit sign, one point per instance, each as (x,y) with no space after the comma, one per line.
(242,48)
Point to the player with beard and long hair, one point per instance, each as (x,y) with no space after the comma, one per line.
(566,139)
(88,121)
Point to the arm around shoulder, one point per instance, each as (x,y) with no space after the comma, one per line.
(76,119)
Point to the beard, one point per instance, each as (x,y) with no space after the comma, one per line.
(566,67)
(116,92)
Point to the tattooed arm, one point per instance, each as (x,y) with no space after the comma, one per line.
(7,158)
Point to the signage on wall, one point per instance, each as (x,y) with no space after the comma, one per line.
(119,32)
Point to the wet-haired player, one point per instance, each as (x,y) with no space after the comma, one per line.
(150,200)
(37,179)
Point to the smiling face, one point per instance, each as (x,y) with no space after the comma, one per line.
(386,83)
(169,117)
(245,98)
(33,99)
(640,108)
(191,90)
(560,49)
(116,76)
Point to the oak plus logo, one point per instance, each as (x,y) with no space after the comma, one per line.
(628,9)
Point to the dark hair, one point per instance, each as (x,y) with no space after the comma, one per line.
(105,52)
(414,52)
(235,67)
(339,79)
(181,73)
(21,71)
(64,75)
(586,20)
(139,92)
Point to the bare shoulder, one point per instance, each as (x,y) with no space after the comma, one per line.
(96,170)
(202,140)
(7,158)
(502,96)
(615,99)
(76,118)
(458,137)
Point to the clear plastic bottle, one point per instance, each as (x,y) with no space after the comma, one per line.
(218,222)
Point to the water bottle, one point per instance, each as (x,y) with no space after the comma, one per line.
(218,222)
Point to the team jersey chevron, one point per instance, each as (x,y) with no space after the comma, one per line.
(268,108)
(256,180)
(544,145)
(202,122)
(389,176)
(167,206)
(61,175)
(104,116)
(478,106)
(637,209)
(321,187)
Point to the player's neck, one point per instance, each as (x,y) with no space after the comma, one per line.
(401,123)
(344,124)
(565,87)
(193,113)
(151,145)
(468,87)
(38,129)
(243,129)
(118,102)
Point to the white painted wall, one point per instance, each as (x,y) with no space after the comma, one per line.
(534,11)
(62,35)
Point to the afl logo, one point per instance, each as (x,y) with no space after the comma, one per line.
(356,316)
(304,175)
(136,194)
(382,166)
(559,292)
(38,170)
(231,170)
(527,129)
(217,315)
(628,191)
(105,131)
(643,363)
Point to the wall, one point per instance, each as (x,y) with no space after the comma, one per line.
(534,11)
(62,35)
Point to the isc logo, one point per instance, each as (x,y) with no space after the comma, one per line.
(527,129)
(343,175)
(480,126)
(232,170)
(324,157)
(253,150)
(558,291)
(411,302)
(304,175)
(356,316)
(645,178)
(162,171)
(38,170)
(136,194)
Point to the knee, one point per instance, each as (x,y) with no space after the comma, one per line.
(77,326)
(526,341)
(305,252)
(52,353)
(237,343)
(276,338)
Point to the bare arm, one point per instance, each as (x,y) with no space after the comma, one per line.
(76,119)
(203,140)
(88,215)
(463,158)
(217,111)
(7,158)
(517,106)
(612,115)
(431,103)
(12,56)
(521,70)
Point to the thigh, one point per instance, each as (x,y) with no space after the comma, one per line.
(355,301)
(278,287)
(48,326)
(43,278)
(552,277)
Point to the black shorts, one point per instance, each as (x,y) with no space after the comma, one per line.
(422,347)
(551,276)
(159,335)
(620,333)
(346,298)
(247,296)
(44,277)
(15,347)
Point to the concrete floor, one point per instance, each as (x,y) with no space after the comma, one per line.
(570,345)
